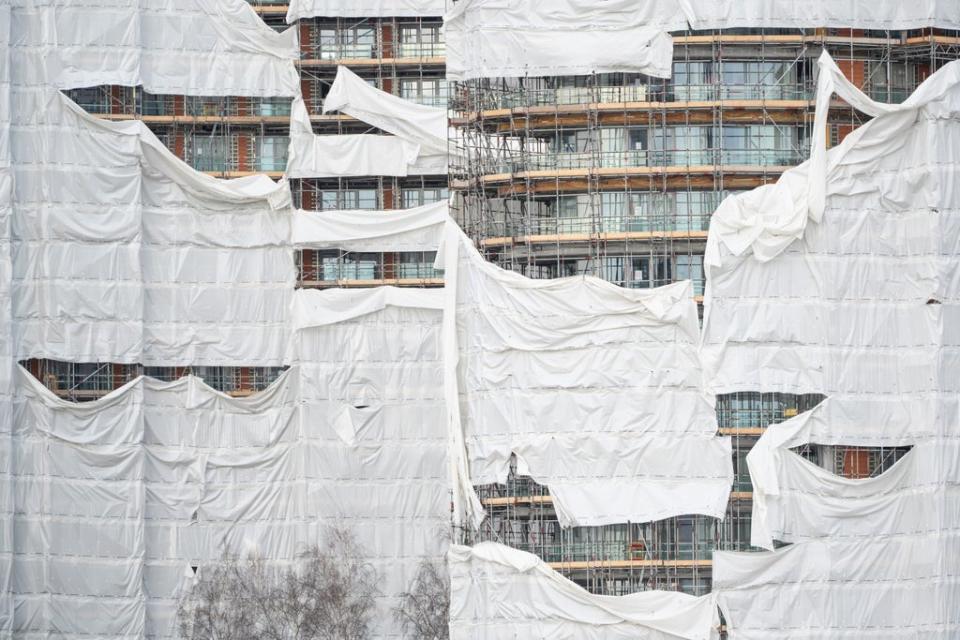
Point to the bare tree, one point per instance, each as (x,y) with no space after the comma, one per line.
(328,595)
(424,610)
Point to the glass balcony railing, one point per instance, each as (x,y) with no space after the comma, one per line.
(552,161)
(533,97)
(332,266)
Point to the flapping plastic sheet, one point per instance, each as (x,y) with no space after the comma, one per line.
(872,558)
(193,47)
(364,8)
(416,229)
(351,95)
(505,38)
(123,253)
(589,384)
(499,593)
(841,279)
(419,146)
(114,500)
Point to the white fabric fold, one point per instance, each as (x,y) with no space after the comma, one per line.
(590,384)
(500,593)
(192,47)
(418,146)
(123,253)
(800,308)
(503,38)
(119,497)
(351,95)
(839,527)
(416,229)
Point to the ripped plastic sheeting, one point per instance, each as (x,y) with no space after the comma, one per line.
(418,148)
(350,94)
(499,593)
(123,253)
(379,462)
(505,38)
(366,8)
(191,47)
(801,301)
(116,499)
(416,229)
(589,384)
(873,557)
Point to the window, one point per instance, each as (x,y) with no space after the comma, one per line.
(273,153)
(336,199)
(418,197)
(210,153)
(690,267)
(418,265)
(760,145)
(92,99)
(358,41)
(428,91)
(421,41)
(648,272)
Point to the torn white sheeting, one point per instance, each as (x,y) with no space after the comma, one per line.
(364,8)
(192,47)
(494,38)
(593,386)
(117,498)
(507,38)
(829,584)
(350,94)
(502,593)
(314,156)
(417,229)
(795,500)
(375,429)
(846,306)
(123,253)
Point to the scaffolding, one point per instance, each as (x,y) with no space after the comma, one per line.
(616,175)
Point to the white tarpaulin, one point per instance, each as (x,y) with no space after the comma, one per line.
(350,94)
(845,284)
(510,38)
(374,425)
(595,388)
(872,558)
(418,145)
(123,253)
(499,593)
(115,499)
(841,279)
(416,229)
(193,47)
(364,9)
(501,38)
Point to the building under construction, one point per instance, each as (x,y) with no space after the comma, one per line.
(616,175)
(613,175)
